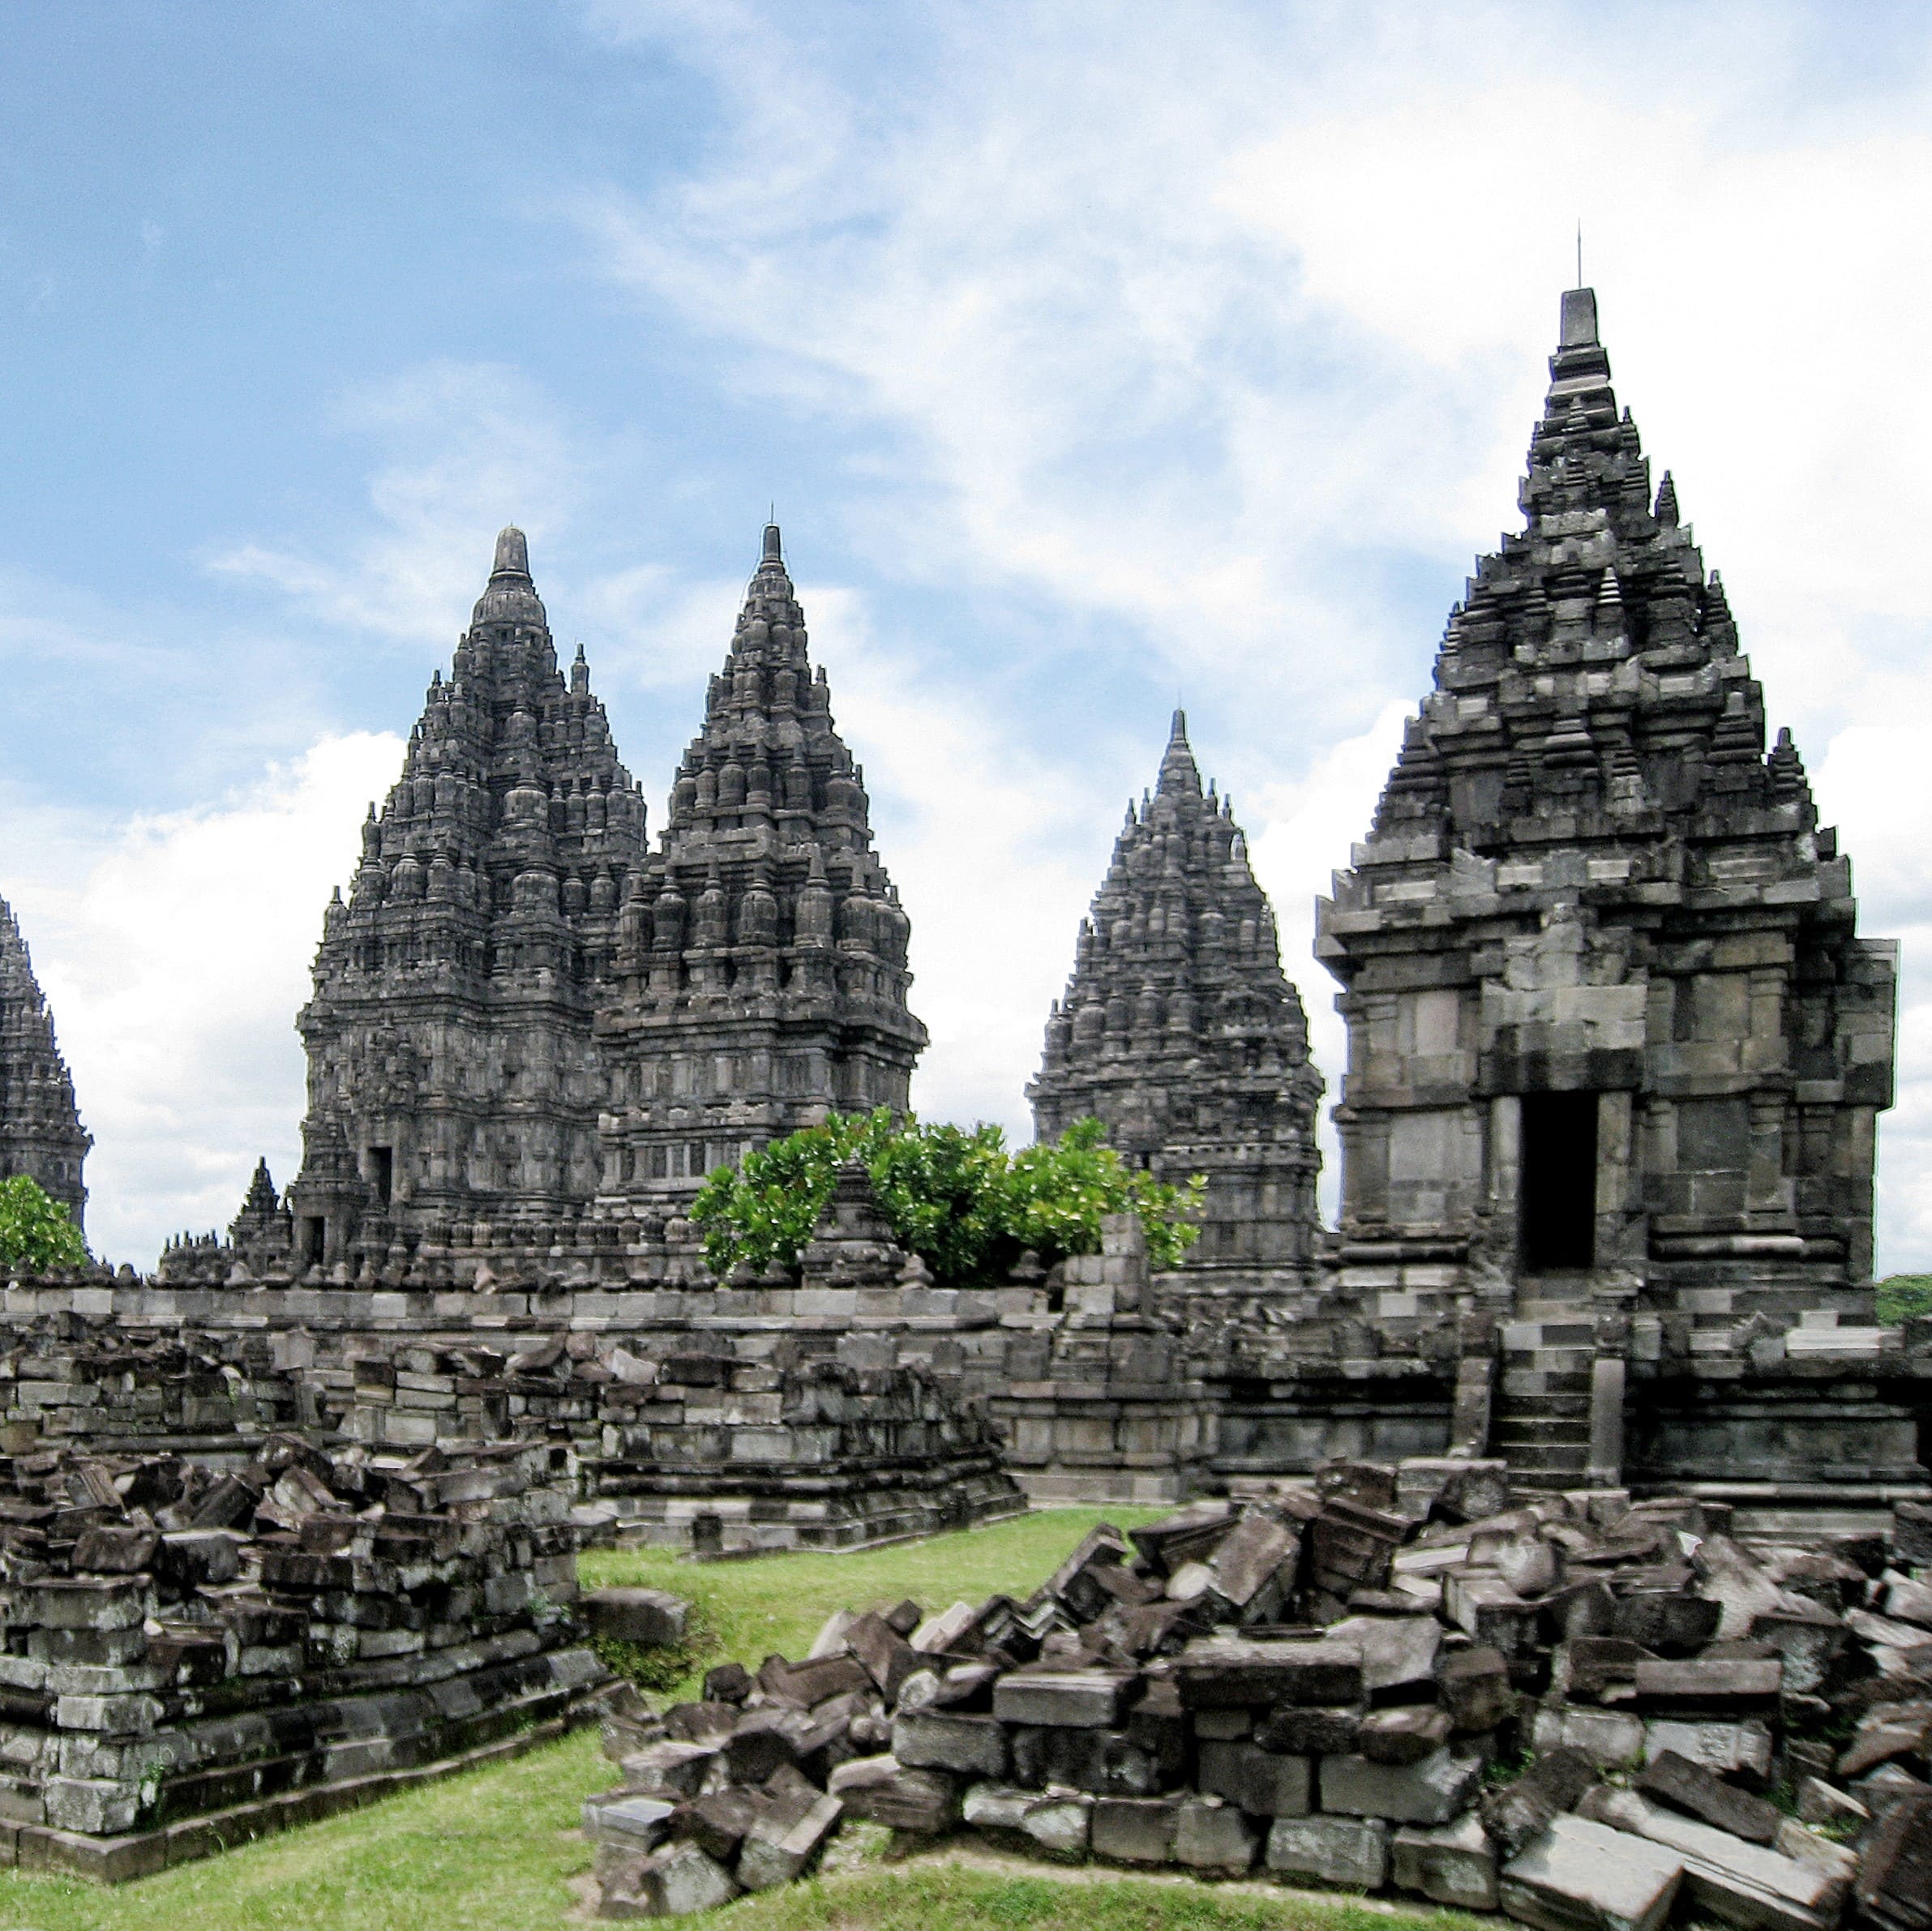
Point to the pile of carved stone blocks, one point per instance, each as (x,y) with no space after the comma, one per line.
(191,1657)
(66,1380)
(1344,1686)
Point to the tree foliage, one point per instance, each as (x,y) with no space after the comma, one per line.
(36,1233)
(953,1194)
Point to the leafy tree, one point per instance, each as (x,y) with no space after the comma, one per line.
(954,1194)
(36,1233)
(1901,1296)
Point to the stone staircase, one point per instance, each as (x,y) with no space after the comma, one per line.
(1542,1416)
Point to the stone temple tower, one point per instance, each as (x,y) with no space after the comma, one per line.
(40,1133)
(1616,1050)
(762,961)
(1179,1032)
(454,1084)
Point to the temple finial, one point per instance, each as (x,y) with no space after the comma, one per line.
(1579,328)
(774,549)
(512,554)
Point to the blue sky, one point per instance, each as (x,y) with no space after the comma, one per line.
(1095,357)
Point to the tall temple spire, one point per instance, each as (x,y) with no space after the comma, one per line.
(449,1034)
(1597,931)
(40,1133)
(766,922)
(1179,1030)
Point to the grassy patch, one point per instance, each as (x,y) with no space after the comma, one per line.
(1902,1296)
(939,1896)
(750,1608)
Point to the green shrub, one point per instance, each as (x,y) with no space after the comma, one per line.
(953,1194)
(1902,1296)
(36,1233)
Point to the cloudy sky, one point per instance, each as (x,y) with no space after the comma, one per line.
(1096,357)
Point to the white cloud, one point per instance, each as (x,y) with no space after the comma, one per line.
(174,951)
(465,448)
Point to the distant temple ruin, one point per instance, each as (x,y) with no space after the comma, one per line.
(1179,1032)
(40,1133)
(1616,1056)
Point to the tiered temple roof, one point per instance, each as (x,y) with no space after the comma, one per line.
(40,1133)
(451,1069)
(762,958)
(1179,1031)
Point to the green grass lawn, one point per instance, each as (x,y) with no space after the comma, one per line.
(495,1850)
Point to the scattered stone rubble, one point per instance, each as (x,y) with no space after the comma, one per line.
(1584,1711)
(192,1657)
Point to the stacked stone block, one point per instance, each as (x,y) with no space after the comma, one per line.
(1338,1686)
(192,1657)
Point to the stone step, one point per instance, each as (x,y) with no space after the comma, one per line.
(1528,1384)
(1518,1335)
(1563,1459)
(1538,1427)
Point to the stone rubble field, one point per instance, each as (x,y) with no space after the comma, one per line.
(1586,1712)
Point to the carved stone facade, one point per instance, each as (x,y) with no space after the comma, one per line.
(1616,1050)
(520,1009)
(760,977)
(1179,1030)
(452,1076)
(40,1133)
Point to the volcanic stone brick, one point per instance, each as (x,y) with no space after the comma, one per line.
(717,1822)
(1349,1546)
(1685,1786)
(1352,1852)
(974,1745)
(1722,1686)
(1912,1533)
(1254,1567)
(1216,1672)
(1135,1830)
(670,1768)
(1586,1666)
(1104,1761)
(1517,1811)
(1474,1684)
(1742,1883)
(1406,1734)
(1894,1884)
(924,1800)
(727,1683)
(1431,1791)
(1212,1836)
(1670,1622)
(1084,1699)
(1263,1783)
(886,1654)
(1808,1638)
(1399,1654)
(1058,1825)
(1578,1875)
(1313,1731)
(783,1841)
(673,1883)
(637,1824)
(1454,1864)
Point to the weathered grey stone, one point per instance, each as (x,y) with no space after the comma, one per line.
(1729,1748)
(1453,1864)
(1684,1785)
(1515,1813)
(1135,1830)
(934,1740)
(1081,1698)
(1742,1883)
(923,1800)
(1475,1688)
(1214,1836)
(1350,1851)
(1105,1762)
(1399,1652)
(1430,1791)
(1058,1823)
(1579,1876)
(1406,1734)
(1723,1687)
(779,1846)
(1607,1737)
(1215,1671)
(1263,1783)
(654,1617)
(671,1882)
(1309,1731)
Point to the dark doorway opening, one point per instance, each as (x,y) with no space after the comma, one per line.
(383,1159)
(1559,1181)
(314,1230)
